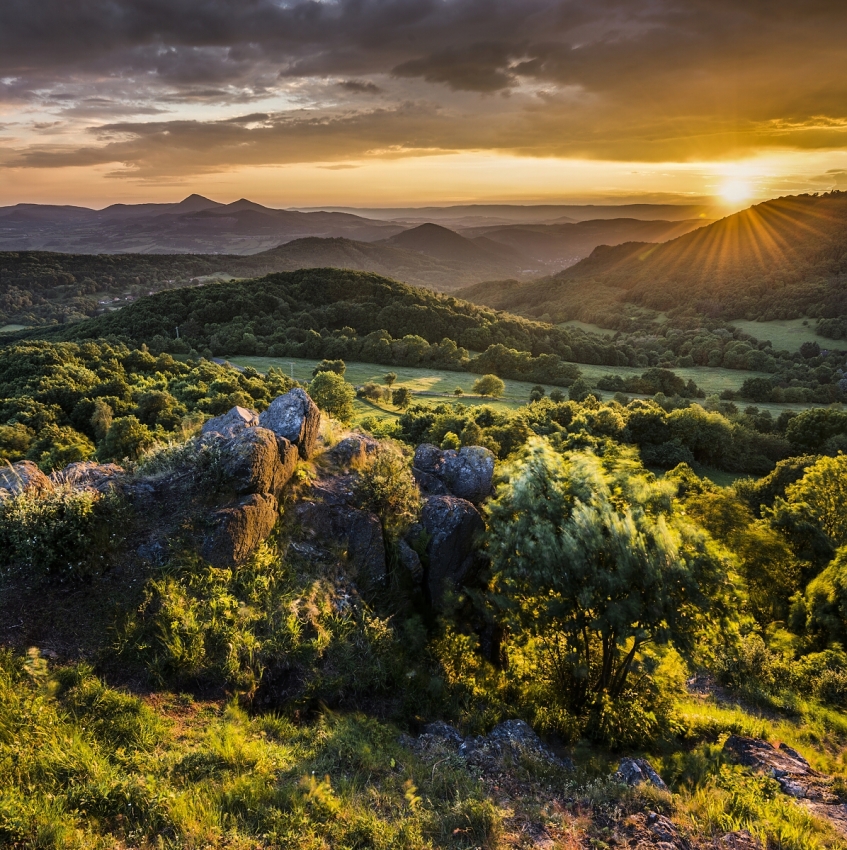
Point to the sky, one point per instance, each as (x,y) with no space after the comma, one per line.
(407,102)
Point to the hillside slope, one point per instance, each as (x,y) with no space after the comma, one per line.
(781,259)
(565,244)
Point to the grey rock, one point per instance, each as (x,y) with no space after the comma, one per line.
(453,525)
(21,477)
(467,473)
(429,458)
(508,744)
(236,531)
(738,840)
(638,772)
(232,422)
(429,484)
(358,533)
(255,460)
(758,754)
(351,450)
(295,417)
(88,475)
(410,559)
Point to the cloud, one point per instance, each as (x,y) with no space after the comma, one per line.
(359,86)
(617,79)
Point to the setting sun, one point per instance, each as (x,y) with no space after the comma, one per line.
(735,191)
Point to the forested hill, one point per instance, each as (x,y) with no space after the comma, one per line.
(780,259)
(40,287)
(341,313)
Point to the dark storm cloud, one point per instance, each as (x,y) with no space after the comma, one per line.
(648,79)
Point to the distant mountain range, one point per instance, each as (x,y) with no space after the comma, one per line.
(195,225)
(784,258)
(504,241)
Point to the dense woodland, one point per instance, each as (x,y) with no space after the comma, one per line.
(359,316)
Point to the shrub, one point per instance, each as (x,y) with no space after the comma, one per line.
(66,533)
(489,385)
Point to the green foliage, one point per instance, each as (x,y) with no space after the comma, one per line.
(337,366)
(591,564)
(489,385)
(823,488)
(89,766)
(333,395)
(385,486)
(127,438)
(401,397)
(390,378)
(65,534)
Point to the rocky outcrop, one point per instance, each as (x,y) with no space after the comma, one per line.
(232,422)
(23,476)
(452,526)
(353,449)
(638,772)
(467,473)
(508,744)
(353,533)
(296,418)
(89,475)
(238,529)
(255,460)
(795,776)
(410,559)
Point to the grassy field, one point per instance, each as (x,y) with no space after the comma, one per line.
(586,326)
(785,334)
(434,386)
(438,385)
(7,329)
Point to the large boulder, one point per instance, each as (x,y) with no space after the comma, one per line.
(295,417)
(88,475)
(452,525)
(356,532)
(237,530)
(467,473)
(255,460)
(638,772)
(352,450)
(232,422)
(21,477)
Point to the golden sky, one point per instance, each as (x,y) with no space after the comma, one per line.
(389,102)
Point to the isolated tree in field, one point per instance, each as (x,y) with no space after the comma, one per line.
(592,565)
(458,392)
(489,385)
(579,390)
(401,397)
(536,393)
(390,378)
(337,366)
(333,395)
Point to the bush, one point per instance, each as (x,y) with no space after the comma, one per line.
(489,385)
(65,533)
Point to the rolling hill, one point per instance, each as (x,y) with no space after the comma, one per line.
(781,259)
(566,243)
